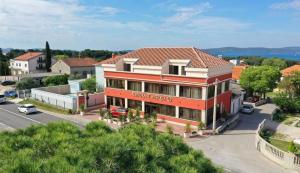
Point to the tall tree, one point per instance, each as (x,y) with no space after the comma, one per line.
(275,62)
(48,57)
(260,79)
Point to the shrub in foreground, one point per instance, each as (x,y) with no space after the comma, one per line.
(63,147)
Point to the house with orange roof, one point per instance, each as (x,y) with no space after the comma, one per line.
(288,71)
(75,66)
(181,85)
(237,71)
(30,62)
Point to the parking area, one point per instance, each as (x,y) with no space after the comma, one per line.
(235,150)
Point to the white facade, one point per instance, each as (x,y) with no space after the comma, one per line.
(33,65)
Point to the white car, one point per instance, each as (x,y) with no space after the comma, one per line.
(248,109)
(27,109)
(2,98)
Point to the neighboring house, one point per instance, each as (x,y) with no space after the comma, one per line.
(75,66)
(288,71)
(177,83)
(237,71)
(30,62)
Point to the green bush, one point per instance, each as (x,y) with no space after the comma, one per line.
(287,105)
(27,83)
(56,80)
(89,84)
(63,147)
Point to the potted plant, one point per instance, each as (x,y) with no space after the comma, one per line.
(188,130)
(130,116)
(101,114)
(146,118)
(82,109)
(201,127)
(137,116)
(154,116)
(169,129)
(109,117)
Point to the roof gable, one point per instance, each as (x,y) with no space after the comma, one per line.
(80,62)
(28,56)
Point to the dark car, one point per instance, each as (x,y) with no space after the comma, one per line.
(7,82)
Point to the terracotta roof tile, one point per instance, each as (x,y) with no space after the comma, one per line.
(27,56)
(288,71)
(237,71)
(80,62)
(157,56)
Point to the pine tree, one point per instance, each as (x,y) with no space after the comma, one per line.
(48,57)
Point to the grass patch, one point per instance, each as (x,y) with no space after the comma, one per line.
(281,144)
(45,106)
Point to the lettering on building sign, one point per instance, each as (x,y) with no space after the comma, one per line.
(152,96)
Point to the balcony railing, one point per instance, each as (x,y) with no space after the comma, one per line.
(41,61)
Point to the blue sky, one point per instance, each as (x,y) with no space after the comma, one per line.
(131,24)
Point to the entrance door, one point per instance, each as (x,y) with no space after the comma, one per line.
(150,108)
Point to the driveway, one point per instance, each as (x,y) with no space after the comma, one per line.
(235,151)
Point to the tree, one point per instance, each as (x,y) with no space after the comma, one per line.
(89,84)
(56,80)
(290,85)
(27,83)
(275,62)
(63,147)
(259,79)
(48,57)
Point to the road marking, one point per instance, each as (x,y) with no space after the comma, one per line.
(6,127)
(22,116)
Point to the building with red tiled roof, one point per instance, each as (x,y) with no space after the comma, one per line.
(75,66)
(30,62)
(176,83)
(237,71)
(288,71)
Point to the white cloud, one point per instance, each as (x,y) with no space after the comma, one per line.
(293,4)
(109,10)
(183,14)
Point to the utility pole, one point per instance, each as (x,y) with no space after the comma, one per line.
(215,106)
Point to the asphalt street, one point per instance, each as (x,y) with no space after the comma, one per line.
(10,118)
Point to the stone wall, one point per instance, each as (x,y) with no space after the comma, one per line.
(285,159)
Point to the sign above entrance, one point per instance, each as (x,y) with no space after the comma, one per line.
(152,96)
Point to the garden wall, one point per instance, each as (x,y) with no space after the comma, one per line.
(285,159)
(61,101)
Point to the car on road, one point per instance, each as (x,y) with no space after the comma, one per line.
(2,98)
(7,82)
(248,109)
(118,112)
(10,93)
(27,109)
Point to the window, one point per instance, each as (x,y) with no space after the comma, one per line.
(173,69)
(190,114)
(227,85)
(127,67)
(160,89)
(183,72)
(134,104)
(135,86)
(115,83)
(115,101)
(211,91)
(160,109)
(25,65)
(191,92)
(219,88)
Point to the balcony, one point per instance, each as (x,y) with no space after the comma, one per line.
(40,61)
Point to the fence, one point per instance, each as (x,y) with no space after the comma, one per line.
(285,159)
(58,100)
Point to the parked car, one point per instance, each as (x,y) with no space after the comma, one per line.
(7,82)
(118,112)
(27,109)
(248,109)
(2,98)
(10,93)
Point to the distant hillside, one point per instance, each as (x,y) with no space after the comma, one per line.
(292,53)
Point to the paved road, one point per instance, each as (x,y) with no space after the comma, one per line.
(235,150)
(10,118)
